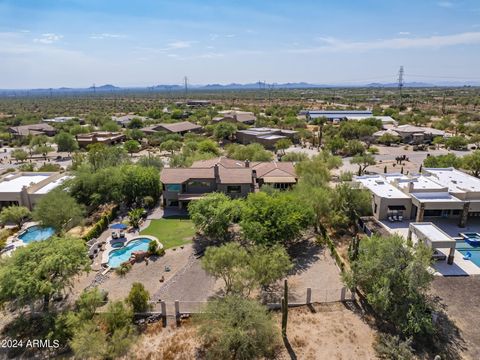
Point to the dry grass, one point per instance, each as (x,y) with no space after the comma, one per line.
(171,343)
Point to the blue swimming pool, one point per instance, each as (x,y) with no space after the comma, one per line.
(36,233)
(117,257)
(463,247)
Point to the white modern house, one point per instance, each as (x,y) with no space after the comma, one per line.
(436,193)
(26,188)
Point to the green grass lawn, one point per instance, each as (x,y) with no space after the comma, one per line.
(171,232)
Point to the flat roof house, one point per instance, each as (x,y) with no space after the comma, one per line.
(336,115)
(33,129)
(268,137)
(181,128)
(102,137)
(232,177)
(63,119)
(26,188)
(124,120)
(412,134)
(236,116)
(436,193)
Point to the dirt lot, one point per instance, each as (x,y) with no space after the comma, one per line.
(461,296)
(330,332)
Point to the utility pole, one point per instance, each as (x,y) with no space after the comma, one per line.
(400,83)
(443,103)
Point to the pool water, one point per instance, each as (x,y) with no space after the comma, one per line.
(36,233)
(117,257)
(463,247)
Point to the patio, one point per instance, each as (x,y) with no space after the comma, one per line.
(460,266)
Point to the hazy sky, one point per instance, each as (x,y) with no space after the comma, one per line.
(75,43)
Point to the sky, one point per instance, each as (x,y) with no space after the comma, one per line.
(76,43)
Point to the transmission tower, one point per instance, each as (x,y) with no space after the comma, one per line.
(400,83)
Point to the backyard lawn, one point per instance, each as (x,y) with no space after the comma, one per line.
(171,232)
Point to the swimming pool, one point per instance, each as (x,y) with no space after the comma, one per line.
(463,247)
(36,233)
(117,257)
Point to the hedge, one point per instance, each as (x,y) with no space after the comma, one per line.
(101,225)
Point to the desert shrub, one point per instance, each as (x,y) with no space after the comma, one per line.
(123,269)
(393,348)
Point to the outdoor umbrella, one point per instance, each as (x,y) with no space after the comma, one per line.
(119,226)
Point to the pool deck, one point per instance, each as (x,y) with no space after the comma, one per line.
(460,267)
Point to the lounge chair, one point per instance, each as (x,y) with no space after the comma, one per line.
(122,233)
(400,218)
(390,218)
(395,218)
(114,235)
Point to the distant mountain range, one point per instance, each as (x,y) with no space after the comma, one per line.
(108,88)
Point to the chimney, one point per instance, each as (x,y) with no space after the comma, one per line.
(247,163)
(254,176)
(216,173)
(410,187)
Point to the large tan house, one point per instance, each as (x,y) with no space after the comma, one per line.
(232,177)
(33,129)
(445,192)
(180,128)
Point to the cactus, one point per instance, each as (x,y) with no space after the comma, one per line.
(285,309)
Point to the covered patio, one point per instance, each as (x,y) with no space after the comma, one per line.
(434,237)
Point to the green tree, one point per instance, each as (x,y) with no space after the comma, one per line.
(58,210)
(131,146)
(237,328)
(110,126)
(135,123)
(43,150)
(456,143)
(320,122)
(151,161)
(41,270)
(470,162)
(316,171)
(437,141)
(395,279)
(388,139)
(276,219)
(89,341)
(102,156)
(224,130)
(442,161)
(213,214)
(252,152)
(208,146)
(363,161)
(171,146)
(139,182)
(354,147)
(14,214)
(117,316)
(19,155)
(138,298)
(134,217)
(335,144)
(283,144)
(66,142)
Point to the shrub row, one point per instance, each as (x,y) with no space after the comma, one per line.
(101,225)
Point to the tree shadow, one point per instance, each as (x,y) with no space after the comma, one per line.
(304,253)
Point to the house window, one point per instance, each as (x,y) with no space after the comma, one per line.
(198,184)
(173,187)
(234,189)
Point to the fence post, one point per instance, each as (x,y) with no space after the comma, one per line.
(177,312)
(309,296)
(164,313)
(342,294)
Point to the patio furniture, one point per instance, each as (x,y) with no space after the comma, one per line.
(390,218)
(122,233)
(400,218)
(114,235)
(467,256)
(438,256)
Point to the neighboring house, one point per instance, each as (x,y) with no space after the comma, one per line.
(125,120)
(436,193)
(268,137)
(181,128)
(25,189)
(232,177)
(102,137)
(34,129)
(412,134)
(236,116)
(335,115)
(63,119)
